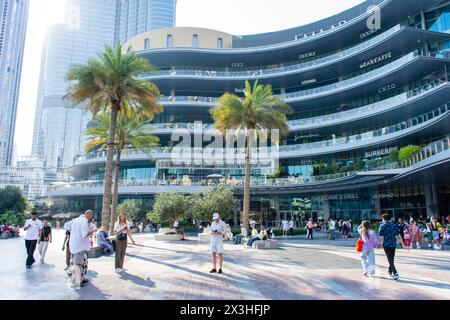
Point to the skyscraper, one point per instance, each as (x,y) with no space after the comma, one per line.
(13,25)
(59,126)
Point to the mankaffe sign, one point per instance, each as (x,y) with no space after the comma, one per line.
(376,60)
(381,152)
(345,196)
(309,81)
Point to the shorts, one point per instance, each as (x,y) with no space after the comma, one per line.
(435,235)
(216,244)
(285,229)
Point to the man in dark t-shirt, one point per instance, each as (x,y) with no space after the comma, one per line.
(45,237)
(388,238)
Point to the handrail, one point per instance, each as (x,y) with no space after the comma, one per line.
(268,70)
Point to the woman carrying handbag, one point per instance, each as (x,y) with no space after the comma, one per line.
(122,232)
(366,245)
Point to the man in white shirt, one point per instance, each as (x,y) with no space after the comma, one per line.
(218,230)
(332,226)
(79,243)
(32,227)
(285,227)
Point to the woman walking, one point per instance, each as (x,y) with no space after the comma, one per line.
(45,237)
(122,232)
(370,240)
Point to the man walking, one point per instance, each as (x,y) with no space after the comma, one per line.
(332,227)
(45,237)
(285,227)
(389,234)
(79,243)
(32,227)
(218,229)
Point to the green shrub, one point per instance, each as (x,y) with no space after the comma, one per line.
(408,151)
(11,217)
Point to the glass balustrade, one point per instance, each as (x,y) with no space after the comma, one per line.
(427,152)
(266,70)
(353,113)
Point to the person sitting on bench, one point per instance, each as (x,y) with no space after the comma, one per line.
(262,236)
(102,240)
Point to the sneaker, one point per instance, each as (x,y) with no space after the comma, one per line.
(42,261)
(213,271)
(366,273)
(118,270)
(220,271)
(395,276)
(85,281)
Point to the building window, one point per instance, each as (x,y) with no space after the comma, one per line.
(169,40)
(195,40)
(220,43)
(146,43)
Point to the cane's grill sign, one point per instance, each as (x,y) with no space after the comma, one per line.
(376,60)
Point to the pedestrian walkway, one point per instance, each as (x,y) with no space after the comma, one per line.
(299,270)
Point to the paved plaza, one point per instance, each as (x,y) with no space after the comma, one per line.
(299,270)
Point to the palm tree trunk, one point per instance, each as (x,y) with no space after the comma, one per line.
(248,157)
(106,208)
(115,197)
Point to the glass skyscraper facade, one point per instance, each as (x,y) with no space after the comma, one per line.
(13,25)
(59,126)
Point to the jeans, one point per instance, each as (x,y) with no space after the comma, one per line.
(42,248)
(368,261)
(251,240)
(30,245)
(332,236)
(309,234)
(390,254)
(237,239)
(105,244)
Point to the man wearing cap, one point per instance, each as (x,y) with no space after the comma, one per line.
(32,227)
(218,229)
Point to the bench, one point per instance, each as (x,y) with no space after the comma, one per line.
(95,252)
(163,236)
(267,244)
(262,244)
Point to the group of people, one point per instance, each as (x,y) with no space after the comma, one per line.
(393,234)
(8,231)
(77,243)
(288,227)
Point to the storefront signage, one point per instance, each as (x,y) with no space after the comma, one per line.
(306,136)
(389,87)
(307,55)
(239,90)
(237,65)
(383,195)
(381,152)
(367,33)
(345,196)
(309,81)
(322,30)
(376,60)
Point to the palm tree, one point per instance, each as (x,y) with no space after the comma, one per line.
(259,109)
(131,132)
(110,82)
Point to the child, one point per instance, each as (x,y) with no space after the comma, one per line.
(414,235)
(407,237)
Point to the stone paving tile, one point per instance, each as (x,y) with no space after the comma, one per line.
(299,270)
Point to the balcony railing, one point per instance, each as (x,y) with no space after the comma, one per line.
(353,113)
(267,70)
(427,152)
(385,131)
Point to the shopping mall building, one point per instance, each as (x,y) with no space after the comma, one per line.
(363,84)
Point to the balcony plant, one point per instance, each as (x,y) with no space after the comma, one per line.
(111,82)
(408,151)
(259,109)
